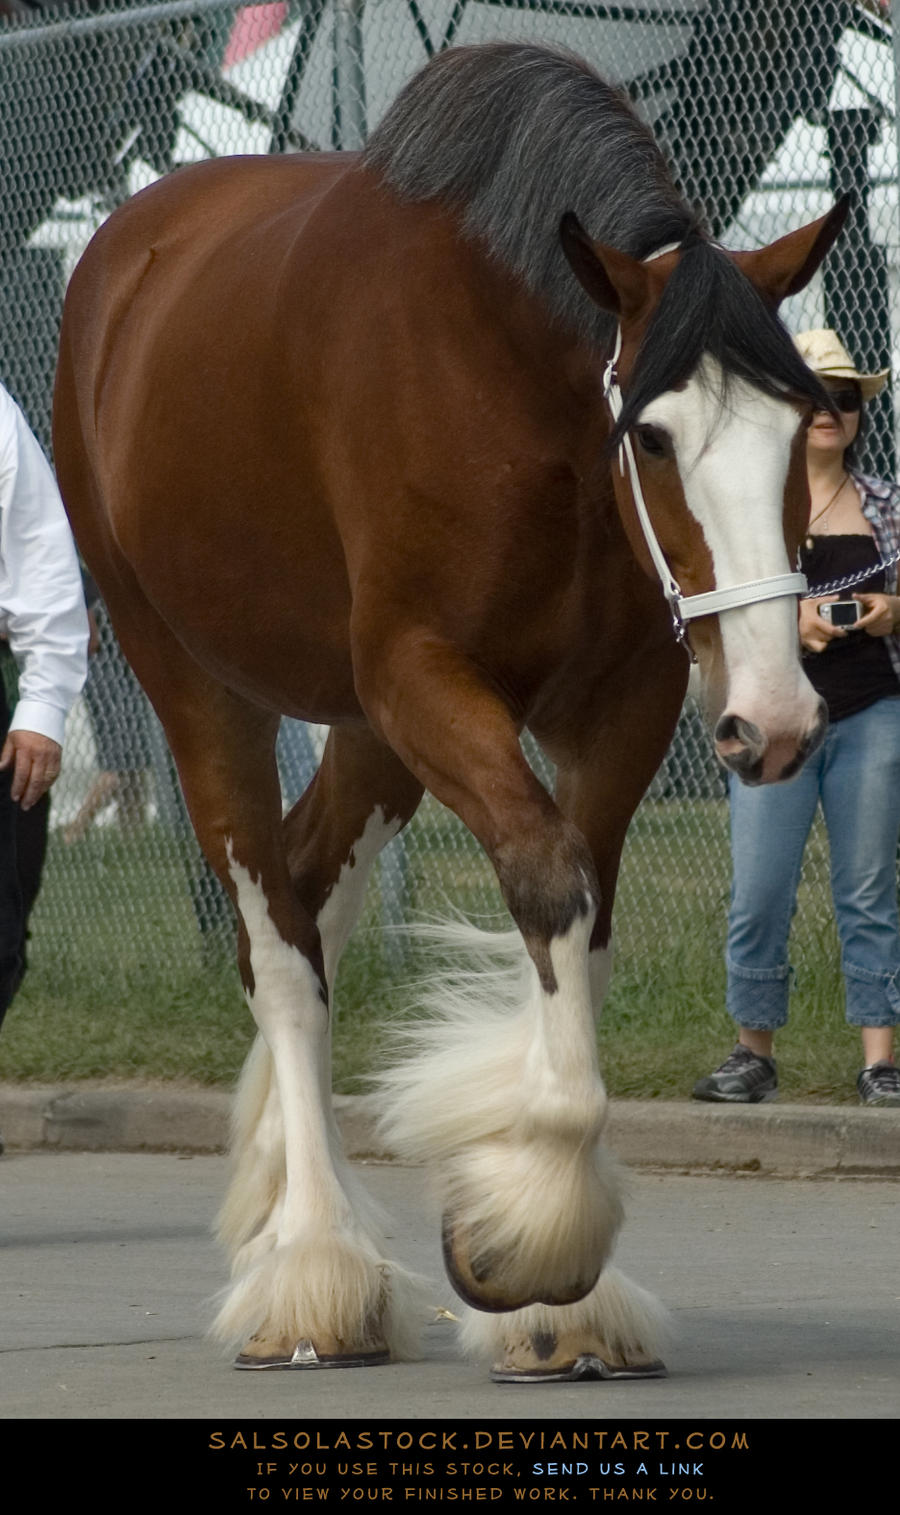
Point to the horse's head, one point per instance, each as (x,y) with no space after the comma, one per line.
(712,401)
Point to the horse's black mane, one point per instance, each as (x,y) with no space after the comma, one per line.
(515,135)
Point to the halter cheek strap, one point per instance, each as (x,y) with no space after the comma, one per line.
(684,607)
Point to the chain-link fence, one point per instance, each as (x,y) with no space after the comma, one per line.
(767,111)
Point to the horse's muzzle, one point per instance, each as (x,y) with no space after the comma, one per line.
(743,749)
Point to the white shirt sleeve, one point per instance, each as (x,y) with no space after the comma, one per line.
(42,610)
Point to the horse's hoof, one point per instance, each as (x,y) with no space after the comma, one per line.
(586,1366)
(543,1357)
(471,1278)
(263,1352)
(475,1278)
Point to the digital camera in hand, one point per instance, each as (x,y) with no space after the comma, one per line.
(841,612)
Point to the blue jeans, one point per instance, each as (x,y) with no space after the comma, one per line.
(856,776)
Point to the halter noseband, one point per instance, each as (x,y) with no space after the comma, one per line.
(684,607)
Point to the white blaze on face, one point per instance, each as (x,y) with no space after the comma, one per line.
(733,461)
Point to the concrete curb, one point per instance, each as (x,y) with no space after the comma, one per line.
(789,1140)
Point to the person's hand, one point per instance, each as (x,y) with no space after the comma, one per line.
(816,633)
(882,612)
(35,761)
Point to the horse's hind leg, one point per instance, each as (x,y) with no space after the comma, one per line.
(316,1288)
(359,799)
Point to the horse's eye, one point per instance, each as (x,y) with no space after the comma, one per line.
(652,441)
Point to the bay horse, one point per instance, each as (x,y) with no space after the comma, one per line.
(337,435)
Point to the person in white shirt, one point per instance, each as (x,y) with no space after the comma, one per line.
(43,618)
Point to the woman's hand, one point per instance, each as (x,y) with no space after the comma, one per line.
(816,633)
(882,614)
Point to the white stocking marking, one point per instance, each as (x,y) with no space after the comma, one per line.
(344,903)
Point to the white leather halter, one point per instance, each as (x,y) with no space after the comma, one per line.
(684,607)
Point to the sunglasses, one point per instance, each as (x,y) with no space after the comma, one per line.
(847,400)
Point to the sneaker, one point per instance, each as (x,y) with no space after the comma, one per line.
(879,1084)
(743,1079)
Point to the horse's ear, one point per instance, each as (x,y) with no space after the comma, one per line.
(613,280)
(786,266)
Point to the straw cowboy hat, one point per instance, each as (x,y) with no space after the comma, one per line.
(826,355)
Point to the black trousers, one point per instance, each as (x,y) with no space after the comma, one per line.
(23,845)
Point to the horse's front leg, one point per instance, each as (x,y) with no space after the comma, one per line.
(360,797)
(501,1092)
(618,1330)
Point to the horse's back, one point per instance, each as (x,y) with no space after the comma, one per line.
(207,234)
(169,424)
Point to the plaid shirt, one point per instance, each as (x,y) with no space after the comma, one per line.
(881,507)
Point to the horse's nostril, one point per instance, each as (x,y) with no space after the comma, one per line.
(733,728)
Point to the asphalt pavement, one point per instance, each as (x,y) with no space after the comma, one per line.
(760,1226)
(771,1233)
(783,1296)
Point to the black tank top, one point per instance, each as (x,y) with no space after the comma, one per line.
(854,671)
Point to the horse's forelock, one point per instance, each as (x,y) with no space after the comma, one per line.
(709,306)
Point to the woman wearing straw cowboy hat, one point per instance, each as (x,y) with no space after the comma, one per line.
(854,526)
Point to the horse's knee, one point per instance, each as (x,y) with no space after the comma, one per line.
(550,884)
(280,953)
